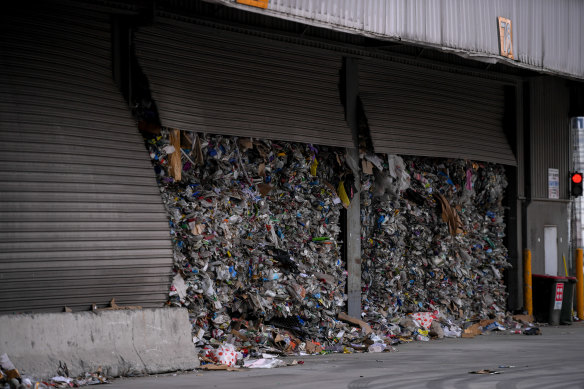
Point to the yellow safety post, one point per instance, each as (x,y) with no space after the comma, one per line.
(580,285)
(527,283)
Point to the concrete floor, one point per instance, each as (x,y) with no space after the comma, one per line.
(552,360)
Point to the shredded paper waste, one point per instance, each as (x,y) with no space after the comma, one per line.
(257,239)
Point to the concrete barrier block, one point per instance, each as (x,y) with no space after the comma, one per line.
(124,342)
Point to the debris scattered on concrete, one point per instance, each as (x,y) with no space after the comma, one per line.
(485,371)
(11,378)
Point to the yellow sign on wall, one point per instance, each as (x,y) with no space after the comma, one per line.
(255,3)
(505,37)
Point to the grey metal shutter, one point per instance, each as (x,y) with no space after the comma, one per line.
(418,111)
(82,219)
(223,82)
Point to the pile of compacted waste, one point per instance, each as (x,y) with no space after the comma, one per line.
(256,231)
(432,239)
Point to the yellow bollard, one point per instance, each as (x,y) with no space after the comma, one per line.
(580,285)
(527,282)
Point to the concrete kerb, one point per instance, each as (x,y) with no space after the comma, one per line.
(125,342)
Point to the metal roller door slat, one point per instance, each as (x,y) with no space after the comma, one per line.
(79,216)
(76,207)
(116,225)
(430,123)
(16,122)
(376,70)
(226,42)
(22,116)
(78,132)
(418,136)
(251,86)
(241,62)
(439,101)
(70,98)
(106,258)
(56,304)
(50,246)
(88,275)
(72,140)
(73,236)
(243,109)
(93,161)
(55,108)
(235,125)
(56,197)
(74,150)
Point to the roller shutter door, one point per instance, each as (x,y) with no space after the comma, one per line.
(418,111)
(216,81)
(82,217)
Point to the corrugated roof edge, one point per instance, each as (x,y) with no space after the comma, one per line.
(468,54)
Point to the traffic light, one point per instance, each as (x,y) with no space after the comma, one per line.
(576,184)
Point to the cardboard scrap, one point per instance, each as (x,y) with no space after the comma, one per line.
(449,215)
(367,166)
(349,319)
(313,348)
(115,307)
(245,143)
(472,331)
(186,142)
(175,158)
(477,328)
(486,322)
(8,367)
(219,367)
(286,346)
(264,189)
(197,151)
(239,335)
(198,229)
(524,318)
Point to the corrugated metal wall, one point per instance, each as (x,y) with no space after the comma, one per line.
(546,34)
(549,135)
(222,82)
(82,218)
(418,111)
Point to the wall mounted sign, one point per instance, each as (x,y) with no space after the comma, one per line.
(505,37)
(255,3)
(553,183)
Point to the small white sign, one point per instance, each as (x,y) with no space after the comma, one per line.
(553,183)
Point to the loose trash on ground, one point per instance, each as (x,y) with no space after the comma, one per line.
(11,378)
(486,371)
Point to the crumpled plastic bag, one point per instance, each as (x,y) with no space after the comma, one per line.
(423,319)
(225,354)
(264,363)
(452,331)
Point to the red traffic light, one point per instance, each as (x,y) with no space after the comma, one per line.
(576,178)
